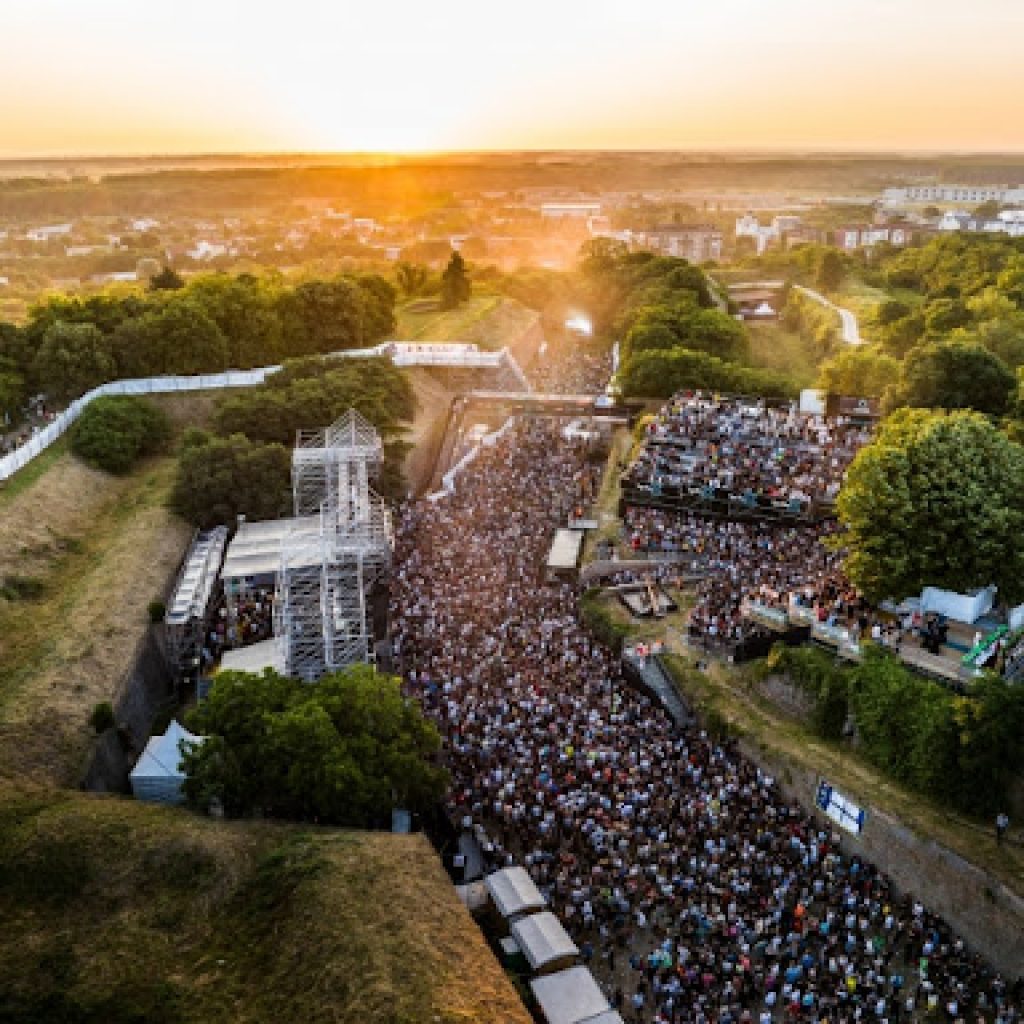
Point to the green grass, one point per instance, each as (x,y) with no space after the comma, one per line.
(27,476)
(773,347)
(123,913)
(490,321)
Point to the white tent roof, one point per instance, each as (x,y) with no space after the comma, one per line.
(565,549)
(162,756)
(255,550)
(254,658)
(514,892)
(543,940)
(570,997)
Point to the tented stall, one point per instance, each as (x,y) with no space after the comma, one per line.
(514,893)
(544,942)
(961,607)
(573,997)
(157,776)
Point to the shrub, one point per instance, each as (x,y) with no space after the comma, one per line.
(102,717)
(114,432)
(157,611)
(600,623)
(22,588)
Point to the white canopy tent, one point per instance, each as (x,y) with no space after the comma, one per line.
(961,607)
(254,658)
(543,941)
(514,892)
(157,776)
(573,997)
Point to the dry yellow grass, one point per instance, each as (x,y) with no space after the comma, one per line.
(63,653)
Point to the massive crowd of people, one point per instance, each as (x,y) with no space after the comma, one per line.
(567,369)
(695,890)
(748,563)
(703,445)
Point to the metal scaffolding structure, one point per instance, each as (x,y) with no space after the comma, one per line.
(325,576)
(187,615)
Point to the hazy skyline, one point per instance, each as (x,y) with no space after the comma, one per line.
(107,77)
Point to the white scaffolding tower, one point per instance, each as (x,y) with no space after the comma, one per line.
(325,575)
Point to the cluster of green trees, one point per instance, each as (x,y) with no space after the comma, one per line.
(244,465)
(814,322)
(344,752)
(672,335)
(937,499)
(71,344)
(955,327)
(114,432)
(961,750)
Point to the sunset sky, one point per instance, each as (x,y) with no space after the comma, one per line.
(92,77)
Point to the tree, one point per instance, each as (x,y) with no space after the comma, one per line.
(175,338)
(167,280)
(72,359)
(115,431)
(953,375)
(659,374)
(687,326)
(455,286)
(245,310)
(321,316)
(830,270)
(860,372)
(411,278)
(220,478)
(344,751)
(935,500)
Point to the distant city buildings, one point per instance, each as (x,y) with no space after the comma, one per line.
(785,229)
(696,243)
(864,236)
(1008,194)
(1007,222)
(578,210)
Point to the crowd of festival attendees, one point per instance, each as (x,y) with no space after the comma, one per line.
(744,563)
(252,622)
(695,890)
(568,369)
(701,444)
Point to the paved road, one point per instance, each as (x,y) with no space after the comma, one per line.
(851,330)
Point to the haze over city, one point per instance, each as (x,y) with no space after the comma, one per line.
(111,77)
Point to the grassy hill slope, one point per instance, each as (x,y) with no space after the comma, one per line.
(121,912)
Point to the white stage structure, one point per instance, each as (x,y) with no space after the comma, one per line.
(325,575)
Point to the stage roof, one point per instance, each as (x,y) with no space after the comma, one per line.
(255,549)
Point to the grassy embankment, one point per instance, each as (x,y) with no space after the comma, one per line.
(122,912)
(730,694)
(490,321)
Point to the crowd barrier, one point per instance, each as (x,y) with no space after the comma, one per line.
(42,439)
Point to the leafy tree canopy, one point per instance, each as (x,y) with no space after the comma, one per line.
(953,374)
(935,500)
(859,371)
(114,431)
(344,751)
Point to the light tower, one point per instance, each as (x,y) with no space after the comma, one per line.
(327,572)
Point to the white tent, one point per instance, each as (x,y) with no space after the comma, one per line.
(254,658)
(157,775)
(573,997)
(543,941)
(514,892)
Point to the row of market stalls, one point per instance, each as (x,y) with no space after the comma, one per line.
(534,942)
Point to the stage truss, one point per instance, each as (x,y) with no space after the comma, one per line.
(320,616)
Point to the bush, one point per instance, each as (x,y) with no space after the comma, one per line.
(22,588)
(660,374)
(599,621)
(114,432)
(157,611)
(820,676)
(102,717)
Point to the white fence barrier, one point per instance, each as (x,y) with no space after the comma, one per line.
(42,439)
(458,354)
